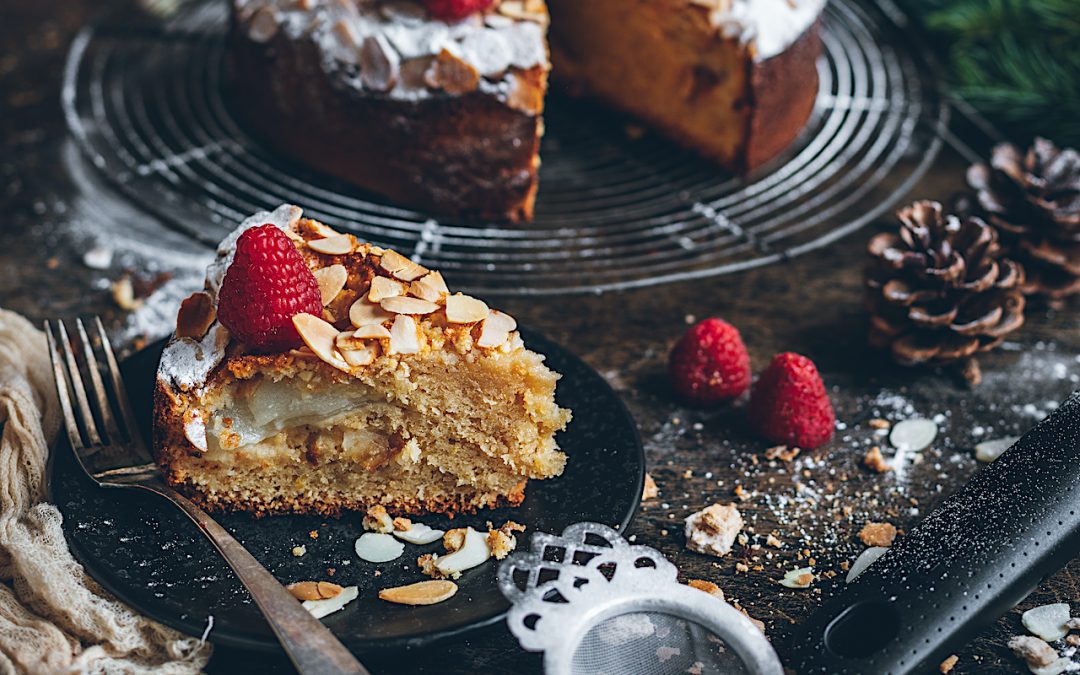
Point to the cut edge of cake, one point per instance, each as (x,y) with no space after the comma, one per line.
(404,395)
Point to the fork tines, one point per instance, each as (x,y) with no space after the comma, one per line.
(95,416)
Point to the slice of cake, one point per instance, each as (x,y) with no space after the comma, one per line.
(348,377)
(735,80)
(438,115)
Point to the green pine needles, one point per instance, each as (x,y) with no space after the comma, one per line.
(1016,61)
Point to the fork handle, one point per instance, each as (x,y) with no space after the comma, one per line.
(310,645)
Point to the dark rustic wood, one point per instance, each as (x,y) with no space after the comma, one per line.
(811,305)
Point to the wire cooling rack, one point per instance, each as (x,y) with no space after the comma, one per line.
(144,99)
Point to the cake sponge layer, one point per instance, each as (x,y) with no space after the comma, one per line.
(440,432)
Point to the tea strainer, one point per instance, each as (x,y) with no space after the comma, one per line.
(594,604)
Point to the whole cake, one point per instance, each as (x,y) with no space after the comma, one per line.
(440,108)
(351,379)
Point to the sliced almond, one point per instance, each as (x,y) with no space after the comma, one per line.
(196,315)
(407,305)
(322,230)
(419,533)
(473,552)
(341,244)
(465,309)
(320,337)
(303,353)
(314,590)
(496,329)
(403,337)
(430,287)
(377,547)
(420,593)
(364,356)
(401,267)
(321,608)
(522,12)
(331,280)
(382,288)
(452,74)
(364,313)
(348,340)
(372,332)
(195,428)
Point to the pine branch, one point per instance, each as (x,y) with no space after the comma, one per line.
(1016,61)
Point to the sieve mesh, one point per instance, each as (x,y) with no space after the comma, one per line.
(654,643)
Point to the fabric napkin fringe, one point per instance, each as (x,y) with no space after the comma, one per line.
(53,617)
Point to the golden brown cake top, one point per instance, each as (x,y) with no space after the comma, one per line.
(377,305)
(396,48)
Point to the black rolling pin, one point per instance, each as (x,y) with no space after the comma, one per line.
(971,560)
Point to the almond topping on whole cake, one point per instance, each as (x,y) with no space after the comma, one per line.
(437,104)
(316,373)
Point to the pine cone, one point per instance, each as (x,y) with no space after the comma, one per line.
(1034,201)
(939,291)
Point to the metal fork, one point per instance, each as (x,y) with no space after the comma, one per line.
(109,447)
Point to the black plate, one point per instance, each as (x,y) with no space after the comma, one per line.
(150,556)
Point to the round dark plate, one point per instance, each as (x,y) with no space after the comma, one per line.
(150,556)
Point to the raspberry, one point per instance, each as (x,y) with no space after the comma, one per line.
(710,364)
(266,285)
(789,404)
(455,10)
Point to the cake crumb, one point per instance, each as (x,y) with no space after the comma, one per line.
(948,664)
(378,520)
(299,551)
(878,534)
(878,423)
(706,586)
(649,490)
(502,541)
(800,578)
(741,494)
(875,461)
(773,541)
(331,571)
(454,539)
(782,452)
(1072,640)
(402,524)
(314,534)
(426,563)
(1035,651)
(712,530)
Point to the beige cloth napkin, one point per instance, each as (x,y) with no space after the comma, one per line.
(53,617)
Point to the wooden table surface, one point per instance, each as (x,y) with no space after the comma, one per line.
(52,213)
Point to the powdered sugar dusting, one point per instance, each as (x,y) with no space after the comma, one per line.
(186,363)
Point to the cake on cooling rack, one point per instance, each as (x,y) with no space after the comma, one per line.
(363,381)
(437,104)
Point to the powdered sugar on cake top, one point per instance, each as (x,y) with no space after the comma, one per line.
(187,363)
(772,25)
(368,44)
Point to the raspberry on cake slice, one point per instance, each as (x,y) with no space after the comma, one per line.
(315,374)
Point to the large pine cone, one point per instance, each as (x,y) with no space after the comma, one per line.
(1034,200)
(939,290)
